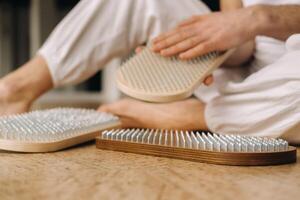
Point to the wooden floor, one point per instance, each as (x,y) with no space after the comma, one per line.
(85,172)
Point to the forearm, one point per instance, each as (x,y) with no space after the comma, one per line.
(245,51)
(276,21)
(231,28)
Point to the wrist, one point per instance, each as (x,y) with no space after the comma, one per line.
(262,19)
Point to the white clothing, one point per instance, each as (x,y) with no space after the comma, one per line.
(267,102)
(96,31)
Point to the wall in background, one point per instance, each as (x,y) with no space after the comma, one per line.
(25,25)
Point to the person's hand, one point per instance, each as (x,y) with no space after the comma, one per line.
(181,115)
(205,33)
(207,81)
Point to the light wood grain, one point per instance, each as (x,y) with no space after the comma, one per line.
(85,172)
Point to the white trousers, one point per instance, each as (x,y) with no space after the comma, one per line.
(98,31)
(266,103)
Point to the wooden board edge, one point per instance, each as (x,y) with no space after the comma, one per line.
(222,158)
(42,147)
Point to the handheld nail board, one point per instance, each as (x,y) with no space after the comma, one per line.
(199,146)
(151,77)
(53,129)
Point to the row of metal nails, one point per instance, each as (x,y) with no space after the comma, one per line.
(197,140)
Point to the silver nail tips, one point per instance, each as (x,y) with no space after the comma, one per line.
(52,125)
(197,140)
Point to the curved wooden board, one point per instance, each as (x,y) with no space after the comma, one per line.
(39,147)
(166,96)
(213,157)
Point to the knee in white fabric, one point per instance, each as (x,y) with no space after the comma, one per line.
(293,43)
(267,103)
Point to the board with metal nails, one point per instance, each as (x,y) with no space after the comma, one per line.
(151,77)
(53,129)
(199,146)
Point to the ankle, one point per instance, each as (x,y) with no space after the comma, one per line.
(12,92)
(5,93)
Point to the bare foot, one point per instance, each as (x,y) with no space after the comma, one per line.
(183,115)
(11,102)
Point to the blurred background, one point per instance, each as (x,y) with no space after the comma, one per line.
(26,24)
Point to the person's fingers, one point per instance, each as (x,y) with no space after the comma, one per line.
(139,49)
(182,46)
(200,49)
(180,36)
(190,21)
(163,36)
(208,80)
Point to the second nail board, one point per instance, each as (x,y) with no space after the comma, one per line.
(150,77)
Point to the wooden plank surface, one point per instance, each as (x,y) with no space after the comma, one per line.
(85,172)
